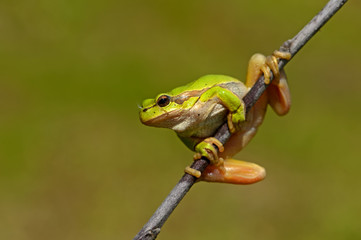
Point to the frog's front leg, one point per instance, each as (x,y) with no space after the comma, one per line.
(230,101)
(207,149)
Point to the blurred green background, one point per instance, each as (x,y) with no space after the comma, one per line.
(77,164)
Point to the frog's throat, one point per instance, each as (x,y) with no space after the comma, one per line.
(165,120)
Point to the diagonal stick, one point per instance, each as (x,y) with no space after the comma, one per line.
(152,228)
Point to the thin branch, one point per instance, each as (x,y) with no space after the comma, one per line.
(152,228)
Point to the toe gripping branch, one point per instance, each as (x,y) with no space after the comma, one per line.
(272,65)
(208,149)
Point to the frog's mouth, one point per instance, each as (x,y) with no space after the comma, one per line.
(164,120)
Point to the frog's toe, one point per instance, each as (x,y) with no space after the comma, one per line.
(234,119)
(215,141)
(266,73)
(230,124)
(271,64)
(282,55)
(197,156)
(193,172)
(207,149)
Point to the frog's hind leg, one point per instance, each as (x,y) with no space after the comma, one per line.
(235,172)
(278,92)
(279,96)
(255,116)
(256,67)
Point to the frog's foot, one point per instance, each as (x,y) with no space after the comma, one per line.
(196,173)
(234,119)
(235,172)
(271,64)
(206,149)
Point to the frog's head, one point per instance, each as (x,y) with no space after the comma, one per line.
(167,109)
(175,108)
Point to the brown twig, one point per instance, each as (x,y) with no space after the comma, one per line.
(152,228)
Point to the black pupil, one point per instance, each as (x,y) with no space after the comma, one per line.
(163,101)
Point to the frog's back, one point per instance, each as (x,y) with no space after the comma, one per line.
(206,82)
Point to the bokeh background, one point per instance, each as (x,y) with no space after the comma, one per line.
(77,164)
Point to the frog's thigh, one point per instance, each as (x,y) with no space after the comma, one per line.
(254,119)
(279,95)
(237,142)
(255,64)
(234,171)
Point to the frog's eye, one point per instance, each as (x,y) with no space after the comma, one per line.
(163,100)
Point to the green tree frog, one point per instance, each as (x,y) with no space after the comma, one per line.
(196,111)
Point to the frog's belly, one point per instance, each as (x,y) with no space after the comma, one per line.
(212,122)
(203,120)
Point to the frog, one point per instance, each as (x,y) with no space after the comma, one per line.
(198,109)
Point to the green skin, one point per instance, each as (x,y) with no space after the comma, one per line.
(195,111)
